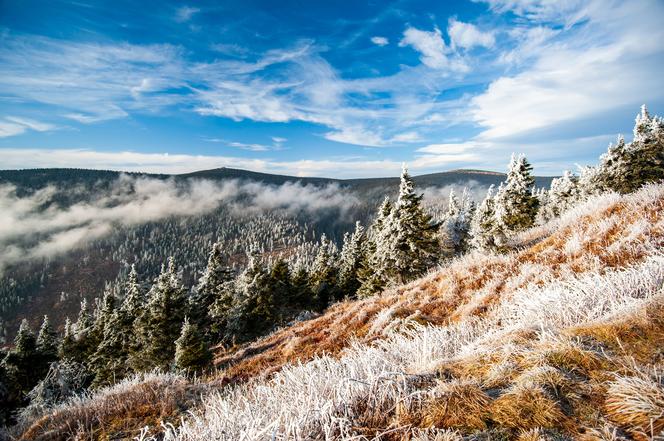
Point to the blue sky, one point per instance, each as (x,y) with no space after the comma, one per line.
(338,89)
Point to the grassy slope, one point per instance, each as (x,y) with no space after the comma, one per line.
(561,338)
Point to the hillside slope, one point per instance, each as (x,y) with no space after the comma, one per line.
(559,339)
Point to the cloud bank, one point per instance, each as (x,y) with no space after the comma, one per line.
(36,227)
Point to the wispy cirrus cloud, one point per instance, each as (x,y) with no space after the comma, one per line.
(605,65)
(13,125)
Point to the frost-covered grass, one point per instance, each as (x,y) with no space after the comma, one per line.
(142,400)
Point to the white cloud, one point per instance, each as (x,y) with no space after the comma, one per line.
(432,49)
(453,148)
(613,62)
(380,41)
(93,82)
(406,137)
(12,126)
(467,35)
(566,12)
(182,163)
(185,13)
(429,44)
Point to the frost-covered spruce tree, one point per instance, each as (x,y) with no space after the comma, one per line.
(47,341)
(483,226)
(68,343)
(21,360)
(159,325)
(645,153)
(514,204)
(412,245)
(564,193)
(351,259)
(192,354)
(213,285)
(324,273)
(612,170)
(251,312)
(456,223)
(47,346)
(110,360)
(626,167)
(374,267)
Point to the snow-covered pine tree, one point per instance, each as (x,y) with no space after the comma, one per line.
(22,359)
(192,354)
(626,167)
(109,362)
(373,268)
(160,324)
(645,152)
(564,193)
(613,168)
(411,242)
(324,272)
(47,347)
(212,286)
(514,204)
(68,342)
(252,309)
(47,341)
(83,336)
(351,259)
(545,211)
(484,224)
(456,223)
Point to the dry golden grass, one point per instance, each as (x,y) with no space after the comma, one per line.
(636,403)
(118,415)
(526,407)
(455,404)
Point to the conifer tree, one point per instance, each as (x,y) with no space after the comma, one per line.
(47,347)
(324,272)
(110,360)
(21,361)
(67,347)
(411,243)
(252,308)
(483,226)
(646,152)
(626,167)
(351,258)
(191,352)
(160,324)
(514,204)
(280,283)
(564,193)
(456,224)
(212,286)
(373,269)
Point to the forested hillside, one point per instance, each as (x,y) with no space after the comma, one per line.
(533,314)
(50,270)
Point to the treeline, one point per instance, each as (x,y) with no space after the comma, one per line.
(172,327)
